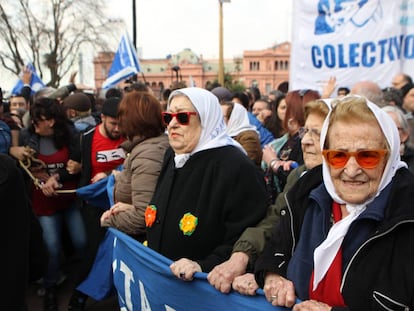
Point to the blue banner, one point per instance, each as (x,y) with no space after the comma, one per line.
(100,193)
(144,281)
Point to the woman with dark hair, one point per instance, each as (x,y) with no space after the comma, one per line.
(141,123)
(274,122)
(54,142)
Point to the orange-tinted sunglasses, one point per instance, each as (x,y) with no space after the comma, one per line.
(365,158)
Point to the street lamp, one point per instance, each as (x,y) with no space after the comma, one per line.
(221,59)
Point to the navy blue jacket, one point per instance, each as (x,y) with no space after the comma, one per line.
(377,250)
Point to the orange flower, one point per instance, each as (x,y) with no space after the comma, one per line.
(150,215)
(188,224)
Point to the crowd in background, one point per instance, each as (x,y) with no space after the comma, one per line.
(214,180)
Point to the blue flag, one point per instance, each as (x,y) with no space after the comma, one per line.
(124,65)
(100,193)
(35,83)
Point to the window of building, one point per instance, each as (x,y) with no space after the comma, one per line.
(254,66)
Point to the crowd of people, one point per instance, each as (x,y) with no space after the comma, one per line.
(303,194)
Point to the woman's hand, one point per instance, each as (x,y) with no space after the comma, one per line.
(185,269)
(115,209)
(105,218)
(279,291)
(98,177)
(245,284)
(311,305)
(50,186)
(222,275)
(21,153)
(73,167)
(268,154)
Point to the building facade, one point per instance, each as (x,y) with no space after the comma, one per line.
(266,69)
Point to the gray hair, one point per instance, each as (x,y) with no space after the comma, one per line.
(400,116)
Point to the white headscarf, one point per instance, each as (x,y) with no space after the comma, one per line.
(326,252)
(213,128)
(239,121)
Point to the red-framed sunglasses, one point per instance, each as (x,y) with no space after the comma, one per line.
(365,158)
(182,117)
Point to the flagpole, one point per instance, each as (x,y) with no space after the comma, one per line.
(221,57)
(221,61)
(134,32)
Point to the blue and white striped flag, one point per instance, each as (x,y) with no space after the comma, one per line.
(124,65)
(35,83)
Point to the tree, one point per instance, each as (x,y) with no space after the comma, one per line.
(51,33)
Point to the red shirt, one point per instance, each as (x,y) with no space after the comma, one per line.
(106,154)
(45,206)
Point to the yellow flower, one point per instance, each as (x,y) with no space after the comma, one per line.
(188,224)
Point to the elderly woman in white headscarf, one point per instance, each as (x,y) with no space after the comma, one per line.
(240,129)
(208,190)
(348,245)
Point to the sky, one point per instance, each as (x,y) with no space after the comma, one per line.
(168,26)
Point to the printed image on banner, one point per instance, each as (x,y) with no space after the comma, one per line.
(351,40)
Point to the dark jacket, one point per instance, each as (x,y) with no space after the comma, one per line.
(378,272)
(408,157)
(86,150)
(223,188)
(22,237)
(253,239)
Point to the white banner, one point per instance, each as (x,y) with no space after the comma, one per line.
(352,40)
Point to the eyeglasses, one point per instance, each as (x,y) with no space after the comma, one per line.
(182,117)
(365,158)
(314,133)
